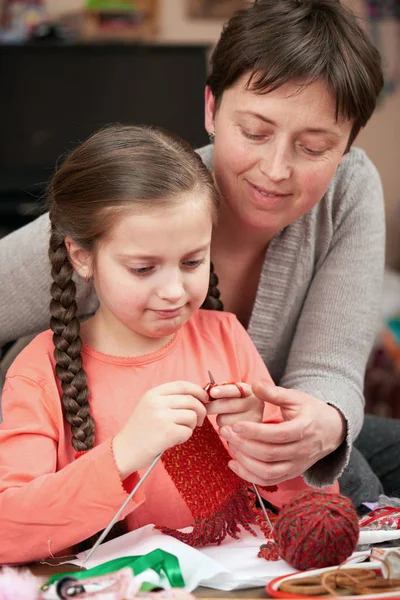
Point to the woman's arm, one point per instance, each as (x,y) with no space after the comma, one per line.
(331,344)
(338,322)
(25,282)
(43,511)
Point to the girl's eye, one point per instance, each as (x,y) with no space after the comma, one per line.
(141,270)
(193,264)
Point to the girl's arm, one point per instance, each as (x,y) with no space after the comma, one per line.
(25,277)
(44,511)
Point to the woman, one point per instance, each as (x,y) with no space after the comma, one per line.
(299,249)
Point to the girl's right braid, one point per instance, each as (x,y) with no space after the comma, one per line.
(68,345)
(212,301)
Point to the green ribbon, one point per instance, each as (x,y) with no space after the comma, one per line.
(158,560)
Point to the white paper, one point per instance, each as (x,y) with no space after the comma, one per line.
(376,536)
(233,565)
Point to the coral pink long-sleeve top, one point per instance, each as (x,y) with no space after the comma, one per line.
(50,500)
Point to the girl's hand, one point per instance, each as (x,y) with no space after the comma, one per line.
(267,454)
(230,407)
(164,417)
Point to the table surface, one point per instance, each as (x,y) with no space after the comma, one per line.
(201,592)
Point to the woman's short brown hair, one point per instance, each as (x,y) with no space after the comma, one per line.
(285,41)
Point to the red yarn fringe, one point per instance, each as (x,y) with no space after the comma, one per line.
(269,551)
(238,511)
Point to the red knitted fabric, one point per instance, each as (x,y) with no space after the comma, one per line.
(316,530)
(217,498)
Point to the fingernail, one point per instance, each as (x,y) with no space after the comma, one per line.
(225,432)
(233,467)
(237,428)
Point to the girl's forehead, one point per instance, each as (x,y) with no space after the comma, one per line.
(161,226)
(150,213)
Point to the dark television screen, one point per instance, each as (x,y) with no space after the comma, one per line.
(52,96)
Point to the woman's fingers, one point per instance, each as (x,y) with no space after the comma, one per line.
(273,433)
(268,453)
(259,472)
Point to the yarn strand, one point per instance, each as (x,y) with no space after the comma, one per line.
(238,510)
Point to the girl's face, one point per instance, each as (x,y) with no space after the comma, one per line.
(275,154)
(151,272)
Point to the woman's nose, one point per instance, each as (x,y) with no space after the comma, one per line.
(275,163)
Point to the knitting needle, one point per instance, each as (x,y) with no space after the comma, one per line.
(212,381)
(121,510)
(263,507)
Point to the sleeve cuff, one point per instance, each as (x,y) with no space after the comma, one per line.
(111,490)
(350,404)
(327,470)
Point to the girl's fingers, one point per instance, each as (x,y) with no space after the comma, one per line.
(227,420)
(189,418)
(231,390)
(189,403)
(232,406)
(183,388)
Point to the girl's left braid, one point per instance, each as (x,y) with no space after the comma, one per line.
(68,344)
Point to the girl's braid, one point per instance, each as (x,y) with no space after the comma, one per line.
(212,301)
(68,345)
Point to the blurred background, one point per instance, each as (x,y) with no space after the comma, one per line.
(69,66)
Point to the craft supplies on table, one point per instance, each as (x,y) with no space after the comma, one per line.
(234,565)
(367,581)
(316,529)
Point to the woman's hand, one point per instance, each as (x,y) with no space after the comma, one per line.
(164,417)
(267,454)
(230,406)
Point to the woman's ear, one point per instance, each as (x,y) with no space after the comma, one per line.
(80,259)
(209,110)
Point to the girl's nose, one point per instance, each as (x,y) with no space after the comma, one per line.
(172,290)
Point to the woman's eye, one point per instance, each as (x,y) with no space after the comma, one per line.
(313,152)
(140,270)
(253,136)
(192,264)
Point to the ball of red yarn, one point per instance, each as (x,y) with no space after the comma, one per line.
(316,529)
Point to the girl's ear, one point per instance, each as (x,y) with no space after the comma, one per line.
(209,110)
(81,260)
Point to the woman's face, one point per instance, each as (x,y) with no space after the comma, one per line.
(275,154)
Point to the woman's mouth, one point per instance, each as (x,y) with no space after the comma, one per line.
(266,197)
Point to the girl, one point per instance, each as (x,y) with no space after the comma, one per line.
(132,211)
